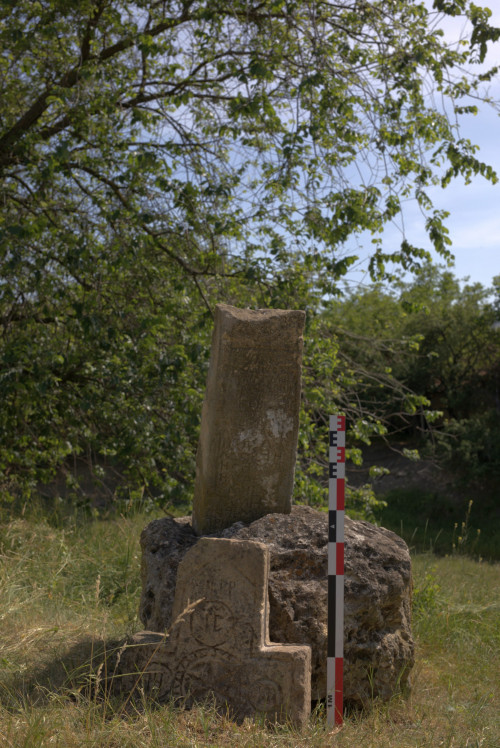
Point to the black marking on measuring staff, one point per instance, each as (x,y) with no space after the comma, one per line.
(332,613)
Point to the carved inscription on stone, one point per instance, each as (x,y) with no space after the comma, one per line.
(221,649)
(250,418)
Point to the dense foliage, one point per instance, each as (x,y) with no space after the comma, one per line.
(158,157)
(435,342)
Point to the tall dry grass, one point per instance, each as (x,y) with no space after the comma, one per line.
(69,592)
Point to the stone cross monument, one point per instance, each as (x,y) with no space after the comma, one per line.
(249,425)
(218,646)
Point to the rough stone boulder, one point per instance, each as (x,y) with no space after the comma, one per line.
(378,645)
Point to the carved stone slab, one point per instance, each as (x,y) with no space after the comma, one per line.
(249,425)
(219,647)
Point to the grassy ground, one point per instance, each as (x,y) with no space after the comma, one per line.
(70,589)
(432,521)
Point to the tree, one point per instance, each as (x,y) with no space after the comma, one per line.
(434,335)
(158,156)
(425,356)
(458,367)
(458,350)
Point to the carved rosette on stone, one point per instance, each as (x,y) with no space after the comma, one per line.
(250,418)
(218,646)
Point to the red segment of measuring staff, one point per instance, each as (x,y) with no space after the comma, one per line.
(336,499)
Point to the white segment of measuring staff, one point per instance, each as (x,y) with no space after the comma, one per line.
(336,492)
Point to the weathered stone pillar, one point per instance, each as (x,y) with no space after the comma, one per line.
(246,453)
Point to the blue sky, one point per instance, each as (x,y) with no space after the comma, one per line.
(474,220)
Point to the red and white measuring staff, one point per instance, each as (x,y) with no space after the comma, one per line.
(336,491)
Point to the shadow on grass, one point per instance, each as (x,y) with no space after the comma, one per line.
(84,670)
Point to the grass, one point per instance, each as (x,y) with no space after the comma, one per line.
(69,591)
(430,521)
